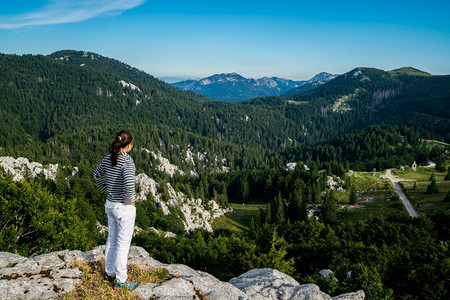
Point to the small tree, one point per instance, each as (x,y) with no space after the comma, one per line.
(447,197)
(440,166)
(447,177)
(353,198)
(432,187)
(329,209)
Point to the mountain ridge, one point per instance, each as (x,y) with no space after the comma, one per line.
(233,87)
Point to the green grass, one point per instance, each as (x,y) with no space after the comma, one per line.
(422,201)
(239,220)
(376,198)
(386,205)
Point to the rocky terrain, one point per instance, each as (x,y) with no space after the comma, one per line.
(194,213)
(51,275)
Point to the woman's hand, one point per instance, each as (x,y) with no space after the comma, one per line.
(133,199)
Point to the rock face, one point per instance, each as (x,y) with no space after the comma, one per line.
(195,214)
(21,167)
(49,276)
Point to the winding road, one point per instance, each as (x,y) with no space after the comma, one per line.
(398,189)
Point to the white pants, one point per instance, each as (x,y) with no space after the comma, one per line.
(120,232)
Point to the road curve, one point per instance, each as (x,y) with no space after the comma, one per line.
(398,189)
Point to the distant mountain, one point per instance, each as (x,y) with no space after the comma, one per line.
(314,82)
(232,87)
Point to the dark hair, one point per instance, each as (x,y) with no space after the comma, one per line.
(123,138)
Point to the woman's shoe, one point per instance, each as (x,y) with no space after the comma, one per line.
(128,284)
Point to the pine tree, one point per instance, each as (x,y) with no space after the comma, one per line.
(329,209)
(277,210)
(244,189)
(295,208)
(432,187)
(353,198)
(447,197)
(440,164)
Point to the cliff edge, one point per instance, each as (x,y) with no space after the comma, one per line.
(49,276)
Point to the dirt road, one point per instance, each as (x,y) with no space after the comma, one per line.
(398,189)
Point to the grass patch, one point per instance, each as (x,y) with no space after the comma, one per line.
(384,205)
(376,198)
(423,202)
(239,220)
(93,287)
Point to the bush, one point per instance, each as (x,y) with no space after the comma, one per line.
(34,221)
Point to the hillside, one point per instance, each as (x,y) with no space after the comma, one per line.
(75,95)
(290,159)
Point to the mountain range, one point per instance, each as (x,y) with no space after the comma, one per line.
(70,97)
(232,87)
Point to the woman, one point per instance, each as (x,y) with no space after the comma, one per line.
(119,184)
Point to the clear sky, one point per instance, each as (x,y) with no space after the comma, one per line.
(195,39)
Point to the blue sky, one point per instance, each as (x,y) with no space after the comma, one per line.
(195,39)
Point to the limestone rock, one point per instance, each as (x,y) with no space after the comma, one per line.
(359,295)
(261,284)
(8,259)
(176,288)
(95,254)
(24,267)
(194,285)
(51,275)
(194,213)
(51,261)
(326,273)
(21,167)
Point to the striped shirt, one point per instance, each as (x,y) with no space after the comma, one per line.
(119,179)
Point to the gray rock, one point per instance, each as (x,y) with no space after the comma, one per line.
(51,275)
(175,288)
(265,284)
(51,261)
(136,251)
(309,292)
(145,263)
(66,273)
(27,266)
(214,289)
(359,295)
(261,284)
(36,287)
(326,273)
(73,256)
(8,259)
(179,270)
(94,255)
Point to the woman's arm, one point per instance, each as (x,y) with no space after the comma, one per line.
(99,177)
(129,181)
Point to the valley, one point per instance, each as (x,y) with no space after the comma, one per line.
(288,182)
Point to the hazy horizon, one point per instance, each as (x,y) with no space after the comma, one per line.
(294,39)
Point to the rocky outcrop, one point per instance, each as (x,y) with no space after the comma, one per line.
(194,213)
(21,167)
(49,276)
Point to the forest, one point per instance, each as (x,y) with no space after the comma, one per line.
(56,111)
